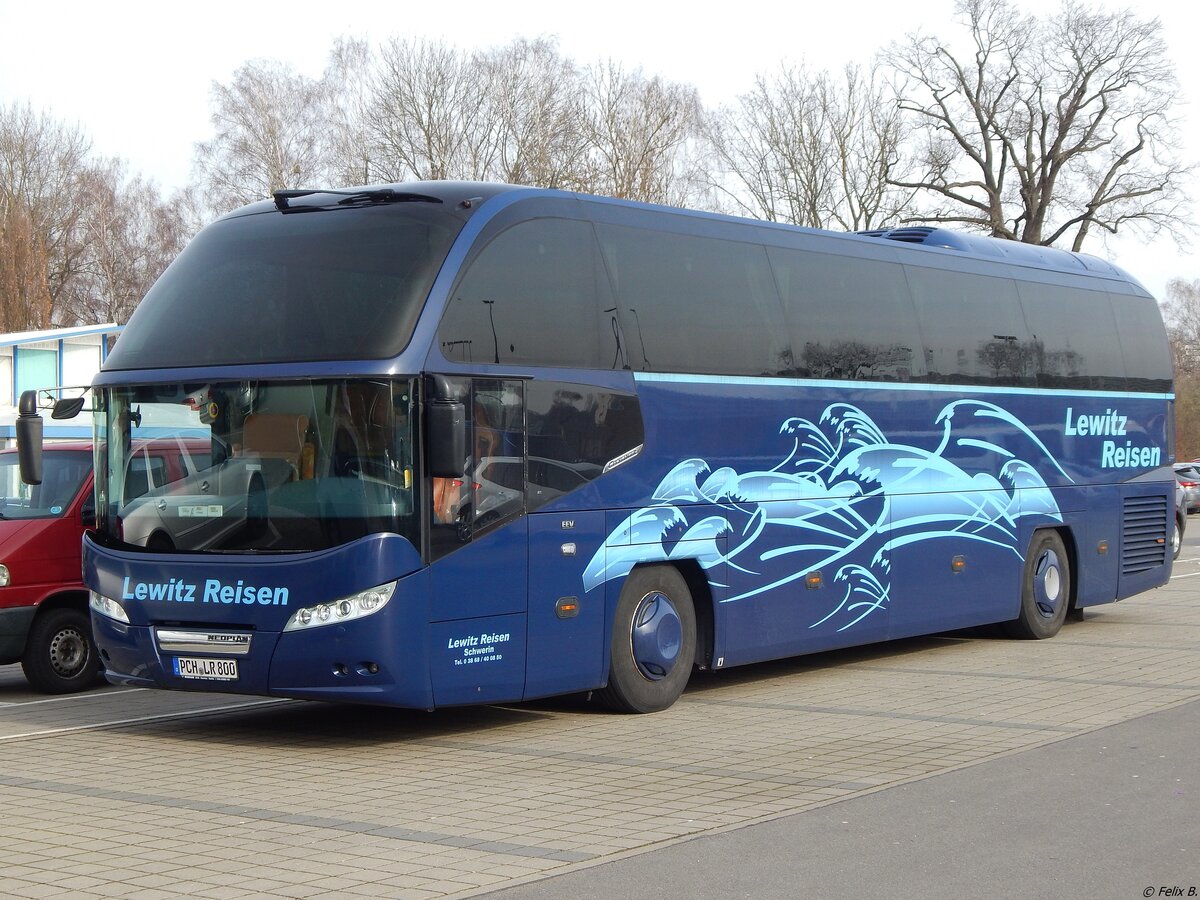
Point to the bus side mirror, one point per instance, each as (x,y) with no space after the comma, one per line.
(29,438)
(446,438)
(68,408)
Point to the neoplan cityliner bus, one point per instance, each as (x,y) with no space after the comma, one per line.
(479,443)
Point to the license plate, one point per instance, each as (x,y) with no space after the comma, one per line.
(208,669)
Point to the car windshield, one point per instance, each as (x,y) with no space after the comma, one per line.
(279,466)
(63,473)
(1187,473)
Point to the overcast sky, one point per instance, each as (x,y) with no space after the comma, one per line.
(136,76)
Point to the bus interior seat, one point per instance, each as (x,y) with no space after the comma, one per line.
(275,436)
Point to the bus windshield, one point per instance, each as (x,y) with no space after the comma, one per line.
(255,465)
(323,284)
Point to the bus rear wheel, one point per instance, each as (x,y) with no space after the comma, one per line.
(653,641)
(1045,589)
(60,655)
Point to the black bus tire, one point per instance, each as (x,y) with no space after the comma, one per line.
(653,641)
(1045,589)
(1177,539)
(60,653)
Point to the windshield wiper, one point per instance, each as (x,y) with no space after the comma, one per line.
(350,198)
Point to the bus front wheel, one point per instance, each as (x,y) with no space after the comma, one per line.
(653,641)
(1045,589)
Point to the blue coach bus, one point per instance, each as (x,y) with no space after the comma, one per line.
(474,443)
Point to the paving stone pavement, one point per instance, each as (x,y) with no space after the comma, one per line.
(142,794)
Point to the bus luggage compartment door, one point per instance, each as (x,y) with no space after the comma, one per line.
(566,624)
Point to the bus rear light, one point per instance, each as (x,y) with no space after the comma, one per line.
(344,609)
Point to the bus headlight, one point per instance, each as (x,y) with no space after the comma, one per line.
(344,609)
(4,579)
(106,606)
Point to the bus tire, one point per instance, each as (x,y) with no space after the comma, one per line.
(1177,539)
(1045,589)
(653,641)
(60,654)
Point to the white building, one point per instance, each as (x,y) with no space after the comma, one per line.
(56,357)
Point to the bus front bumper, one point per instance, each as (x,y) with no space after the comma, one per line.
(353,662)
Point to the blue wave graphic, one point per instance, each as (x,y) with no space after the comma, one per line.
(842,489)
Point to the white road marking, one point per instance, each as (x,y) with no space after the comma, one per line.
(141,719)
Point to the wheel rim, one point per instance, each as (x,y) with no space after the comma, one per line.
(1048,584)
(1176,539)
(657,636)
(68,652)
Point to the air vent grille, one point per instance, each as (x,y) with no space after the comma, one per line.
(1143,534)
(916,234)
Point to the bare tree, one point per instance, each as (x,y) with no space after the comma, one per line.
(642,134)
(1181,310)
(25,302)
(1043,129)
(533,96)
(270,134)
(42,163)
(428,113)
(131,236)
(806,149)
(348,87)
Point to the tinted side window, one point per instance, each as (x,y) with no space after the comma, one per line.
(848,318)
(973,328)
(1074,337)
(1143,342)
(693,304)
(574,432)
(534,295)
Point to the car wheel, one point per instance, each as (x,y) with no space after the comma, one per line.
(160,542)
(60,654)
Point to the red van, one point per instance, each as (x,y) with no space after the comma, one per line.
(44,618)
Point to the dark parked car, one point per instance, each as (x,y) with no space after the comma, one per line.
(1188,475)
(1180,520)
